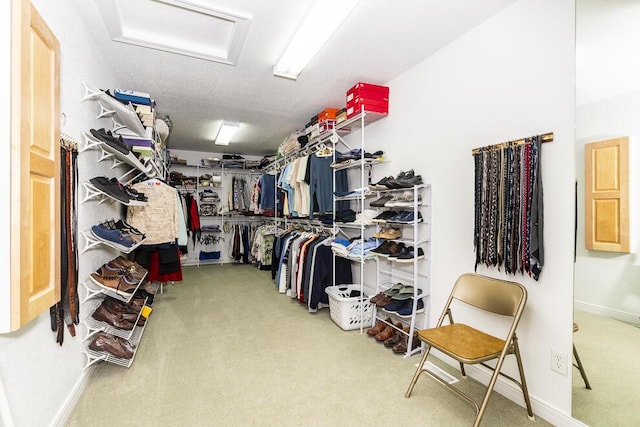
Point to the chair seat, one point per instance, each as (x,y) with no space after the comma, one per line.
(463,342)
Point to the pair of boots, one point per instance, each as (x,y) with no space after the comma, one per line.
(403,344)
(382,329)
(119,314)
(394,337)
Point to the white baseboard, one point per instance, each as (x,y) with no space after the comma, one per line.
(541,409)
(623,316)
(65,411)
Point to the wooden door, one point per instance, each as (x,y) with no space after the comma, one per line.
(607,195)
(35,166)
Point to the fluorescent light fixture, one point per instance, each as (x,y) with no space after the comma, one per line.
(323,20)
(226,132)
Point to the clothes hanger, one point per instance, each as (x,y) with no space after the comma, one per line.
(324,151)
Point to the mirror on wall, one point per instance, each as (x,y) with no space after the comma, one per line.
(607,284)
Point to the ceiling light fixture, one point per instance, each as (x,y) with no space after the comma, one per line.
(323,20)
(226,132)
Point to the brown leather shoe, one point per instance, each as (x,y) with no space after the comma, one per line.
(103,315)
(375,298)
(120,306)
(374,330)
(112,344)
(124,262)
(137,302)
(385,334)
(397,336)
(118,266)
(127,280)
(379,326)
(126,344)
(131,267)
(401,347)
(119,312)
(113,283)
(383,301)
(125,310)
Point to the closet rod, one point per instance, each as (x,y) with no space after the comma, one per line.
(545,137)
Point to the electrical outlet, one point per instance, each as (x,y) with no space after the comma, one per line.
(559,362)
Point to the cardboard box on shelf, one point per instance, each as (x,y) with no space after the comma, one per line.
(327,114)
(132,96)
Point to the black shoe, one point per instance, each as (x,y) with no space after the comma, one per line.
(385,216)
(132,193)
(380,202)
(407,255)
(109,188)
(112,141)
(409,182)
(373,155)
(381,185)
(393,184)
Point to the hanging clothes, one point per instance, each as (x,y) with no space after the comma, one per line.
(159,221)
(183,235)
(161,261)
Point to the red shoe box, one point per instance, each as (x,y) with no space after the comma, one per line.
(368,91)
(367,104)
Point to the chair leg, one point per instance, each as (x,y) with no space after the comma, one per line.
(489,390)
(414,380)
(492,383)
(523,381)
(462,371)
(578,365)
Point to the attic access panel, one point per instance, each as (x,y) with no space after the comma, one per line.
(176,26)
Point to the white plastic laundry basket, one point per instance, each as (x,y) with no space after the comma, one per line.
(346,311)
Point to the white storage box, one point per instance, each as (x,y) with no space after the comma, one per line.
(349,312)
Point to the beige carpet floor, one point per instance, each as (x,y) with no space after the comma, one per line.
(224,348)
(609,350)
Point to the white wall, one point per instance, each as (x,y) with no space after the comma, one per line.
(504,80)
(34,370)
(606,282)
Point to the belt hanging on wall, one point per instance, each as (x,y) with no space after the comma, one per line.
(67,310)
(508,206)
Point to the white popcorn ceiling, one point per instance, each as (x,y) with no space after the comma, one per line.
(378,41)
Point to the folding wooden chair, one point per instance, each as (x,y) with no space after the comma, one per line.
(468,345)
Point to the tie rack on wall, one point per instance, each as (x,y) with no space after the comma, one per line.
(508,206)
(545,137)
